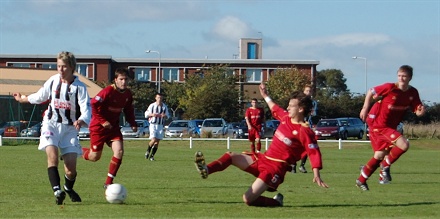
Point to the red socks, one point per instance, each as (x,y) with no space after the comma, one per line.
(394,154)
(369,169)
(113,168)
(220,164)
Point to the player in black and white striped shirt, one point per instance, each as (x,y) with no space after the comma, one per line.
(68,110)
(156,113)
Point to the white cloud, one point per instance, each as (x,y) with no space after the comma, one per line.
(231,28)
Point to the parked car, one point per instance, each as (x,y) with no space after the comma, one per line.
(269,128)
(340,128)
(399,129)
(2,128)
(84,132)
(195,126)
(177,128)
(233,129)
(217,126)
(34,131)
(143,129)
(14,128)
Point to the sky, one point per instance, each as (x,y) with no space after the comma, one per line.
(384,34)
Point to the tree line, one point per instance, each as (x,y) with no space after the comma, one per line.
(213,93)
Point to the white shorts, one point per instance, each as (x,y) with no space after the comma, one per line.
(65,137)
(156,131)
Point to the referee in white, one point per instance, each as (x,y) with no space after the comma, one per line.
(156,114)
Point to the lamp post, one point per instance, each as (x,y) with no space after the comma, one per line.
(366,85)
(158,71)
(365,59)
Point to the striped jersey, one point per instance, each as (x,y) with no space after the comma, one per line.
(154,108)
(68,102)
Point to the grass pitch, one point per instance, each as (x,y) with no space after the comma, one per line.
(170,187)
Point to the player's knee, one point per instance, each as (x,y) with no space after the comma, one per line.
(246,200)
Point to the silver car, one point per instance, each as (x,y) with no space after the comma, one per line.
(143,129)
(217,126)
(177,128)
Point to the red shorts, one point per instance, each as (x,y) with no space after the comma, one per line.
(254,134)
(383,138)
(271,172)
(97,139)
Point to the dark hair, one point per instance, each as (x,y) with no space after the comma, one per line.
(406,68)
(254,99)
(121,71)
(304,101)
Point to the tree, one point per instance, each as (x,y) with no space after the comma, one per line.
(173,91)
(210,93)
(284,82)
(330,82)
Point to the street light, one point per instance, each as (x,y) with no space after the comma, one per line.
(366,85)
(157,72)
(365,59)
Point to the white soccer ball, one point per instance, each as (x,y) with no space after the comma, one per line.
(115,193)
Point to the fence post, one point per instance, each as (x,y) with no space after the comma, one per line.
(190,142)
(228,143)
(1,140)
(340,144)
(267,143)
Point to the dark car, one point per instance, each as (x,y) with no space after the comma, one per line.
(340,128)
(269,128)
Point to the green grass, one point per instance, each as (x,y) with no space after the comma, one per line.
(170,187)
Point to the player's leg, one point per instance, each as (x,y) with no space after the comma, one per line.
(241,161)
(251,138)
(368,169)
(302,167)
(70,176)
(252,196)
(154,149)
(94,153)
(116,161)
(258,140)
(54,176)
(401,146)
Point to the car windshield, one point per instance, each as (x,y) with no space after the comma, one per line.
(213,123)
(178,124)
(327,123)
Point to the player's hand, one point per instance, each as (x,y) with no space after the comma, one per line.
(363,114)
(319,181)
(78,124)
(420,111)
(263,90)
(107,125)
(20,97)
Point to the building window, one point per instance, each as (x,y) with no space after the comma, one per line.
(82,69)
(142,74)
(252,51)
(49,66)
(170,74)
(19,64)
(253,75)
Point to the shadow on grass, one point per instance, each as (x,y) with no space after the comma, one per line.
(369,205)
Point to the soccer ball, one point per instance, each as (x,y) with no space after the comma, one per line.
(115,193)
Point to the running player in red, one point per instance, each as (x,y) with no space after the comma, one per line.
(107,106)
(254,118)
(394,100)
(292,138)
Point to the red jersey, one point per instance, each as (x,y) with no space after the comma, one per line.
(108,105)
(291,140)
(392,105)
(255,117)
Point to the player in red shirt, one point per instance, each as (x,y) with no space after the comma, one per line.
(394,100)
(254,118)
(292,138)
(107,106)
